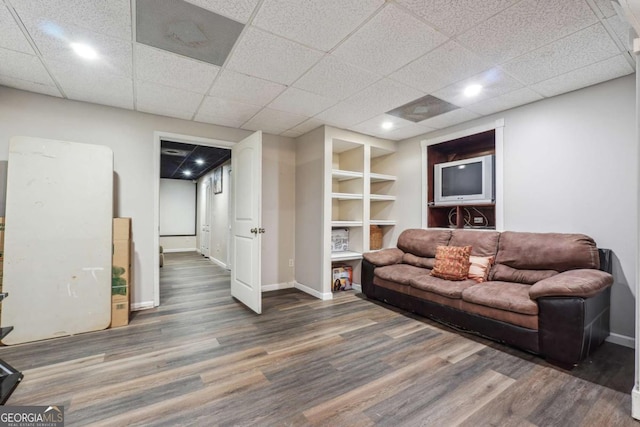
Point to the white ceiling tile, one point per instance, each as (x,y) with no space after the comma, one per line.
(112,17)
(494,82)
(605,7)
(155,98)
(505,102)
(389,41)
(220,121)
(335,79)
(29,86)
(291,134)
(449,119)
(580,49)
(590,75)
(454,17)
(527,26)
(216,107)
(408,132)
(238,10)
(173,70)
(343,115)
(300,101)
(273,121)
(623,30)
(320,24)
(270,57)
(24,67)
(382,96)
(93,85)
(373,126)
(443,66)
(307,125)
(114,55)
(12,36)
(246,89)
(164,110)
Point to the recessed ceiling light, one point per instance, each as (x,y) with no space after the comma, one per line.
(387,125)
(186,173)
(200,161)
(84,51)
(472,90)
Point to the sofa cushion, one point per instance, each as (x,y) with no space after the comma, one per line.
(547,251)
(504,273)
(394,286)
(479,268)
(400,273)
(384,257)
(423,243)
(418,261)
(575,283)
(452,262)
(519,319)
(502,295)
(483,243)
(447,288)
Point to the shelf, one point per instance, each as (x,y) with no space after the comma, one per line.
(346,196)
(382,198)
(346,223)
(382,222)
(341,175)
(379,177)
(345,256)
(463,205)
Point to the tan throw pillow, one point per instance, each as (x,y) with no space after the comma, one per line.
(479,268)
(452,262)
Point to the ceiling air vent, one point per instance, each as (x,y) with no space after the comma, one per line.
(186,29)
(422,109)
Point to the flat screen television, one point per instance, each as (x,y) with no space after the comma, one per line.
(468,181)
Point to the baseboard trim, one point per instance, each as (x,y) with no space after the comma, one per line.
(635,403)
(622,340)
(277,286)
(166,251)
(356,287)
(146,305)
(220,263)
(323,296)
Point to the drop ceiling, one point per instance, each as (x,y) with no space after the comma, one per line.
(188,161)
(299,64)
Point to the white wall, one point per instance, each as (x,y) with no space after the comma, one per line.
(570,166)
(178,243)
(130,135)
(177,207)
(219,223)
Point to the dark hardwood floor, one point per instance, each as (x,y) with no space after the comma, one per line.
(202,359)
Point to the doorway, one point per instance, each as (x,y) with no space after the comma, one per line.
(183,139)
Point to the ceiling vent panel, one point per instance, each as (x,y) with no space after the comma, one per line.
(422,109)
(186,29)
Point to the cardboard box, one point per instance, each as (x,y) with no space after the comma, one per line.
(121,228)
(339,240)
(119,314)
(342,278)
(121,271)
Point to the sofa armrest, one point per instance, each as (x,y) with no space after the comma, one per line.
(583,283)
(384,257)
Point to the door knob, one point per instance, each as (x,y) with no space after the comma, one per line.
(254,230)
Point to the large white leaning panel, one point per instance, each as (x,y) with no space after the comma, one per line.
(58,244)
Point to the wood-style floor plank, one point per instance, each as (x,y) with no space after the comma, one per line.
(203,359)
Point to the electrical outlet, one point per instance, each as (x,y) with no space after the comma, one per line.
(291,262)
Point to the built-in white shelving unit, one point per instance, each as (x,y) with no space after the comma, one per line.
(353,175)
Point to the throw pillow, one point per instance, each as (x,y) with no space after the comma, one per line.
(452,262)
(479,268)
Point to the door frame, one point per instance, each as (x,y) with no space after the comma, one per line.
(158,136)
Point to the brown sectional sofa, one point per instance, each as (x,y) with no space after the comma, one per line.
(547,293)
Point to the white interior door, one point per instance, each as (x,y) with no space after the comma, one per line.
(246,230)
(205,242)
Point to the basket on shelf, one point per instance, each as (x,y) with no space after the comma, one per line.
(375,237)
